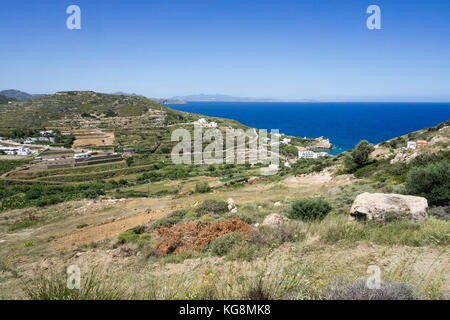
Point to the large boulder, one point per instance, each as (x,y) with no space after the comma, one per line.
(376,205)
(275,220)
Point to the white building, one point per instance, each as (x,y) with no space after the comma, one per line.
(286,141)
(323,154)
(47,132)
(411,145)
(307,155)
(201,122)
(20,151)
(287,164)
(80,156)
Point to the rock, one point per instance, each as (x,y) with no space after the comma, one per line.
(231,204)
(404,157)
(377,205)
(275,220)
(278,204)
(322,143)
(437,139)
(253,180)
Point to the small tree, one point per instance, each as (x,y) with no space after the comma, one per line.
(361,152)
(359,156)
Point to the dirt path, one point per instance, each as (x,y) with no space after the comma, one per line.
(106,230)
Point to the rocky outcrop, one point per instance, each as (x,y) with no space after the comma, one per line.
(275,220)
(322,143)
(231,205)
(376,206)
(438,139)
(404,157)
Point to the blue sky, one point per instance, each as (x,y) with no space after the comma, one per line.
(254,48)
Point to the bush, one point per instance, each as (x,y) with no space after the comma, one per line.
(442,213)
(358,290)
(309,209)
(202,187)
(431,182)
(33,194)
(128,236)
(212,207)
(222,245)
(171,219)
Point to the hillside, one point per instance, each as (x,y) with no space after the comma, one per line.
(138,225)
(18,95)
(5,99)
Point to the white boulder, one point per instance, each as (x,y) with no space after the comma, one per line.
(375,206)
(275,220)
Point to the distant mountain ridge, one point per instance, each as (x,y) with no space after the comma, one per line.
(228,98)
(18,95)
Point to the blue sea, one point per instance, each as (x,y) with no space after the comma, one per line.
(345,124)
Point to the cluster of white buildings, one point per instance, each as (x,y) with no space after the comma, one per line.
(16,151)
(202,122)
(311,154)
(46,136)
(79,156)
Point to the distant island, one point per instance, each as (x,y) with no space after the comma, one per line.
(227,98)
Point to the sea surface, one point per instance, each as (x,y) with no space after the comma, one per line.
(345,124)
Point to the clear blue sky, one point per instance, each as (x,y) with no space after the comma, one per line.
(295,49)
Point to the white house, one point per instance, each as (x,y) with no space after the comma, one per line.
(287,164)
(47,132)
(20,151)
(80,156)
(24,152)
(411,145)
(323,154)
(286,141)
(307,155)
(201,122)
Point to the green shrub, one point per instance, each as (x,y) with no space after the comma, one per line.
(171,219)
(202,187)
(213,207)
(309,209)
(431,182)
(128,236)
(222,245)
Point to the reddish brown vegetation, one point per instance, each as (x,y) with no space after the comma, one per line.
(196,235)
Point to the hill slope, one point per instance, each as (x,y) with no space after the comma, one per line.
(17,94)
(5,99)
